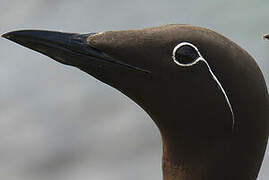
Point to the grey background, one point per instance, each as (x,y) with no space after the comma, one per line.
(57,122)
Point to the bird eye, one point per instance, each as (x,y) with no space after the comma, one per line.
(185,54)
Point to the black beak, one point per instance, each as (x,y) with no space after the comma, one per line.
(67,48)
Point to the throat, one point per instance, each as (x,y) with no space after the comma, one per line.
(192,156)
(184,169)
(173,171)
(207,160)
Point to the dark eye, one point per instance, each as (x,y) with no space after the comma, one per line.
(185,55)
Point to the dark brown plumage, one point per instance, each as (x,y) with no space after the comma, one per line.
(201,140)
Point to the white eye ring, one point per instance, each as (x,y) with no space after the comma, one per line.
(200,58)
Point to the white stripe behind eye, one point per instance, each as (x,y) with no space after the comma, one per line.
(200,58)
(222,89)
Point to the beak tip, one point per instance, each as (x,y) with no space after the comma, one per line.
(7,35)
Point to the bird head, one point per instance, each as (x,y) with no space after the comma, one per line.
(202,90)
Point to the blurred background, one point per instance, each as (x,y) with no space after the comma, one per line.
(57,122)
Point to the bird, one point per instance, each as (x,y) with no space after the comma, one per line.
(206,94)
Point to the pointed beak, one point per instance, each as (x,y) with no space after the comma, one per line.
(67,48)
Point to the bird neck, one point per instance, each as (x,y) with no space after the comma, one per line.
(184,163)
(199,145)
(174,171)
(200,158)
(207,160)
